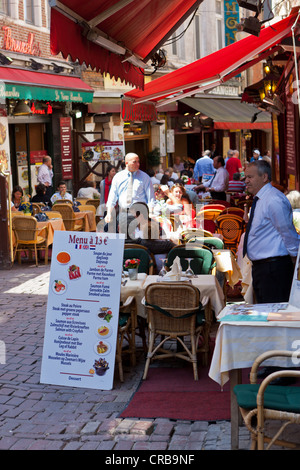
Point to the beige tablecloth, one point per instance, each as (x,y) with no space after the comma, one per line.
(52,224)
(134,288)
(89,220)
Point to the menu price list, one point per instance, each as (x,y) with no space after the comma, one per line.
(82,310)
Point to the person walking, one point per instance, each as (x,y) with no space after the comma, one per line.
(203,165)
(271,241)
(233,164)
(128,187)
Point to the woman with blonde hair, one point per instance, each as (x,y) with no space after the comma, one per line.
(178,196)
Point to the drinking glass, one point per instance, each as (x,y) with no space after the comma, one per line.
(189,272)
(163,270)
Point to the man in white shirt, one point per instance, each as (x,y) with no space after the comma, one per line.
(271,241)
(218,184)
(45,175)
(61,193)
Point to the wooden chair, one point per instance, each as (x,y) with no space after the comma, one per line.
(134,250)
(69,218)
(172,313)
(93,202)
(231,227)
(27,238)
(209,214)
(126,334)
(213,206)
(259,403)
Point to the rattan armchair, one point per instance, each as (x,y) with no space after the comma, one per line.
(68,216)
(27,238)
(231,227)
(174,312)
(93,202)
(259,403)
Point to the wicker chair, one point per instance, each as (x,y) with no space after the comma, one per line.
(259,403)
(147,265)
(93,202)
(194,232)
(27,238)
(126,332)
(231,227)
(172,310)
(234,210)
(208,213)
(87,207)
(68,215)
(36,208)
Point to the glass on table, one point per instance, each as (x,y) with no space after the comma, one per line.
(163,270)
(189,272)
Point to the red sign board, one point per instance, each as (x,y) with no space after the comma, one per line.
(66,148)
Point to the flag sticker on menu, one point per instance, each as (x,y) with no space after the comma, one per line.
(82,247)
(92,247)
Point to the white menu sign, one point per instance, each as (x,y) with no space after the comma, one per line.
(83,310)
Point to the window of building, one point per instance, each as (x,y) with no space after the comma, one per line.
(197,37)
(29,11)
(5,7)
(219,25)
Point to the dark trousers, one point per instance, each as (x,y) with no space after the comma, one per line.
(49,191)
(272,280)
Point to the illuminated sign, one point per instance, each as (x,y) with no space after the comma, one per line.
(232,18)
(47,110)
(15,45)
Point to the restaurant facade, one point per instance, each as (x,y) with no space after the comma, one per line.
(42,99)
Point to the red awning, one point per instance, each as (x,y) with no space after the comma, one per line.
(28,77)
(216,68)
(139,27)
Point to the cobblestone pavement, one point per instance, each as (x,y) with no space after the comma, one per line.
(35,416)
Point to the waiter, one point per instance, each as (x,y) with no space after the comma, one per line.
(271,241)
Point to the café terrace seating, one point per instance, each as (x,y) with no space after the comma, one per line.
(27,238)
(68,216)
(172,313)
(259,403)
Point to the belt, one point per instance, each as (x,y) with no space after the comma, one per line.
(270,260)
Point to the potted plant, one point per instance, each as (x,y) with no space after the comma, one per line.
(132,266)
(153,157)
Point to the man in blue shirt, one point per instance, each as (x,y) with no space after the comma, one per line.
(203,166)
(129,186)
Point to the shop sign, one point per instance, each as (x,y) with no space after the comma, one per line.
(66,148)
(231,19)
(102,151)
(22,92)
(83,310)
(15,45)
(47,110)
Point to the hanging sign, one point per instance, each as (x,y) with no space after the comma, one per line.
(83,309)
(102,151)
(66,148)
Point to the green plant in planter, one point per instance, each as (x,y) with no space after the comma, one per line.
(153,157)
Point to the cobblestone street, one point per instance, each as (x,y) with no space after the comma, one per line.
(35,416)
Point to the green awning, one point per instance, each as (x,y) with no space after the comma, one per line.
(19,84)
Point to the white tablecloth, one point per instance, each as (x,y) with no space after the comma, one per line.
(238,344)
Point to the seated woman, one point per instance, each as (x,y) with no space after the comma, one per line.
(88,191)
(16,197)
(147,232)
(178,197)
(41,196)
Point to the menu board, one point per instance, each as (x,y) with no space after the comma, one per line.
(66,148)
(83,309)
